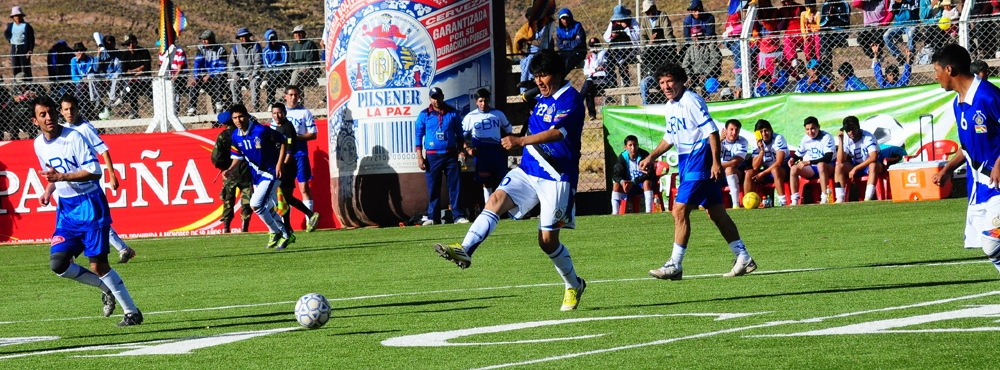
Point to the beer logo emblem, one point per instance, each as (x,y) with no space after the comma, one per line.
(390,49)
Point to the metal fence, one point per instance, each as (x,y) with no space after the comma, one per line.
(120,102)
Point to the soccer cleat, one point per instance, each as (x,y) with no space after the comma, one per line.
(283,243)
(130,319)
(740,269)
(126,254)
(571,298)
(109,303)
(667,272)
(291,238)
(273,240)
(454,253)
(462,220)
(427,222)
(312,222)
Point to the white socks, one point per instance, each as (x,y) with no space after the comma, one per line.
(308,204)
(117,286)
(677,256)
(649,200)
(734,188)
(82,275)
(740,250)
(869,192)
(796,199)
(616,201)
(481,228)
(839,194)
(564,265)
(116,241)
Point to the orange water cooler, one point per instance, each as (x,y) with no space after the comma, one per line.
(911,181)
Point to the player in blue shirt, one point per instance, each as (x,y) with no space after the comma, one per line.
(691,129)
(83,219)
(547,175)
(977,110)
(261,147)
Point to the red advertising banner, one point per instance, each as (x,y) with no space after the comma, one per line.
(169,187)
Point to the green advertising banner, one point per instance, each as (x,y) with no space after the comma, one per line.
(893,115)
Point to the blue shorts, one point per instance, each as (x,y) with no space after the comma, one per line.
(304,173)
(91,243)
(491,165)
(815,173)
(699,193)
(862,172)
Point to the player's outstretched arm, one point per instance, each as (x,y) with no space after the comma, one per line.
(647,164)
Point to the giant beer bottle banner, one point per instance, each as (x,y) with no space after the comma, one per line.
(382,59)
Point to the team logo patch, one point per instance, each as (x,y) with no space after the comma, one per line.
(996,221)
(256,142)
(980,129)
(559,214)
(57,239)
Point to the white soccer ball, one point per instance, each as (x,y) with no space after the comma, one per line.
(312,310)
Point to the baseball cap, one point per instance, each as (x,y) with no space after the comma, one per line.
(225,117)
(299,28)
(813,63)
(436,92)
(243,31)
(207,35)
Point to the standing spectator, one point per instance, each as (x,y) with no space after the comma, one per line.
(769,28)
(815,82)
(304,56)
(439,134)
(934,37)
(851,81)
(275,58)
(59,58)
(483,129)
(791,17)
(732,33)
(305,128)
(244,64)
(834,20)
(809,22)
(571,39)
(876,14)
(241,180)
(622,36)
(698,19)
(702,60)
(594,68)
(655,28)
(136,67)
(209,69)
(906,18)
(21,36)
(178,67)
(109,66)
(82,68)
(536,28)
(891,77)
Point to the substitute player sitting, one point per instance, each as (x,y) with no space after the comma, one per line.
(630,179)
(812,160)
(858,156)
(768,163)
(734,153)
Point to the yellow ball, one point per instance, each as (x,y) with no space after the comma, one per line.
(751,200)
(944,23)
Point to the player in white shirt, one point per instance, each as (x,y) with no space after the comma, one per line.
(305,127)
(856,157)
(769,161)
(69,106)
(483,128)
(82,215)
(691,129)
(812,160)
(734,155)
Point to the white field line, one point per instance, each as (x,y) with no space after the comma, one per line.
(462,290)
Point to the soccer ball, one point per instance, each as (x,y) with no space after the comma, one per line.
(944,23)
(751,200)
(312,310)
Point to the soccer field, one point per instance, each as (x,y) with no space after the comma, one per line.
(859,285)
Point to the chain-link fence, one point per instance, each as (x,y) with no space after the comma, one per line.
(119,97)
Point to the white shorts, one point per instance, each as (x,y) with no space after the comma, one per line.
(265,194)
(981,218)
(554,197)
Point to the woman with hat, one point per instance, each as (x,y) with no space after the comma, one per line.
(22,43)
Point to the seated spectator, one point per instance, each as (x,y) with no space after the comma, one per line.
(571,39)
(82,68)
(856,157)
(536,28)
(734,153)
(834,19)
(59,57)
(851,81)
(245,64)
(655,28)
(812,160)
(809,21)
(596,74)
(876,15)
(980,69)
(483,128)
(622,36)
(906,18)
(982,31)
(769,161)
(529,90)
(136,67)
(763,86)
(275,58)
(781,80)
(304,56)
(209,73)
(630,179)
(891,78)
(698,21)
(889,155)
(109,68)
(702,60)
(814,82)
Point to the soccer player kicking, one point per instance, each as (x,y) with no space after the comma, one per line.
(692,130)
(83,219)
(977,110)
(261,147)
(69,106)
(547,175)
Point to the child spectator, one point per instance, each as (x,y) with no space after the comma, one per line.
(851,81)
